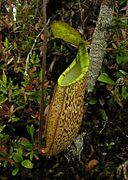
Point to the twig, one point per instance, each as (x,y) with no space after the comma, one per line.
(30,52)
(81,14)
(42,106)
(127,8)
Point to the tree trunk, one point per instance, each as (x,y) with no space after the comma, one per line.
(97,52)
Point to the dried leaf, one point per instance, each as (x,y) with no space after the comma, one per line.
(91,164)
(124,8)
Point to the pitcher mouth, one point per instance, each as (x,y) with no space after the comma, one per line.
(77,69)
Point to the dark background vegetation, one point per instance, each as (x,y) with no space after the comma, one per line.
(105,151)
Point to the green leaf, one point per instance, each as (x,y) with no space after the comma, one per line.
(15,171)
(6,42)
(2,99)
(93,101)
(31,155)
(27,164)
(31,130)
(123,72)
(104,78)
(3,89)
(33,55)
(13,118)
(117,96)
(122,59)
(124,92)
(11,150)
(5,164)
(4,78)
(2,127)
(103,114)
(64,31)
(17,157)
(27,145)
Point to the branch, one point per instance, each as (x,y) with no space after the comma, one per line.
(30,52)
(97,52)
(99,43)
(42,105)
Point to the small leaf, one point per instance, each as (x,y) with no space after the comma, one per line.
(15,171)
(101,101)
(25,142)
(117,96)
(13,118)
(6,42)
(64,31)
(2,127)
(124,92)
(12,109)
(27,145)
(2,99)
(123,72)
(27,164)
(93,101)
(31,155)
(122,58)
(103,114)
(105,79)
(17,157)
(31,130)
(4,78)
(92,163)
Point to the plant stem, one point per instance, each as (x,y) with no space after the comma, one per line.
(42,105)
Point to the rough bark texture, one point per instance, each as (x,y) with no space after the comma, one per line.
(99,43)
(97,52)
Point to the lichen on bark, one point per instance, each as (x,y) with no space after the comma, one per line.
(99,43)
(97,53)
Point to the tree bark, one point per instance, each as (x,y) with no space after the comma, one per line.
(99,43)
(97,52)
